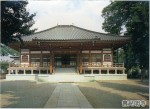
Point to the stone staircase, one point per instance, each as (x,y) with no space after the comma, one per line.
(65,71)
(66,75)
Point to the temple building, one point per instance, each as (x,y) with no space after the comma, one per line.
(68,46)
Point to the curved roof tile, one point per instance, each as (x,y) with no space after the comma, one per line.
(70,32)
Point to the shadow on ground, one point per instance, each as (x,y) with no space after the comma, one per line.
(25,94)
(126,87)
(102,99)
(102,94)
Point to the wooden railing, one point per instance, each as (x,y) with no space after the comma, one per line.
(118,65)
(99,65)
(84,65)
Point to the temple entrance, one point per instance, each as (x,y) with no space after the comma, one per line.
(65,60)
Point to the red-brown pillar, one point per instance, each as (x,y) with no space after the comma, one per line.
(51,62)
(41,59)
(102,58)
(112,57)
(90,59)
(80,62)
(29,58)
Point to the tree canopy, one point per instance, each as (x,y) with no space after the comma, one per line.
(15,21)
(134,17)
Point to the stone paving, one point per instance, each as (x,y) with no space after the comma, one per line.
(67,95)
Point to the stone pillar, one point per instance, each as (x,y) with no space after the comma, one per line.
(39,71)
(115,71)
(99,71)
(24,71)
(31,71)
(107,71)
(92,71)
(9,71)
(16,71)
(123,71)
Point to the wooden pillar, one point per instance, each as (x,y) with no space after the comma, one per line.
(90,59)
(20,55)
(51,62)
(39,71)
(117,56)
(80,62)
(29,58)
(102,58)
(112,56)
(41,59)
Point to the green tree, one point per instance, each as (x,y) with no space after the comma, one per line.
(15,21)
(134,17)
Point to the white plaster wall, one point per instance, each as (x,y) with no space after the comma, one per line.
(66,78)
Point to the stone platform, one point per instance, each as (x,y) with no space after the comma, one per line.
(66,75)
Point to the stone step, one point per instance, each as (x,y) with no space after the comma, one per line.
(66,78)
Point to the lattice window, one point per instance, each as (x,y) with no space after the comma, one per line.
(25,58)
(85,58)
(107,57)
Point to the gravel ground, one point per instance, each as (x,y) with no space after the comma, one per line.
(25,94)
(101,94)
(109,94)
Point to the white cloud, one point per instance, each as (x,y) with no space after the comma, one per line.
(85,14)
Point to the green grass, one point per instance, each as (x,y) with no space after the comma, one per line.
(4,66)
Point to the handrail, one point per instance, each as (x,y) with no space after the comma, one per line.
(84,65)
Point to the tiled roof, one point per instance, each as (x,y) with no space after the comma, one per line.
(70,32)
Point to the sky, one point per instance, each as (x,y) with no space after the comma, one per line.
(82,13)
